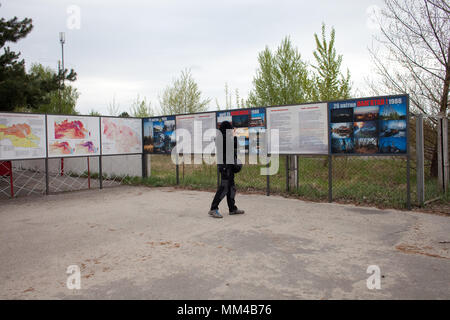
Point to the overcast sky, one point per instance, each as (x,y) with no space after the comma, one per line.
(126,48)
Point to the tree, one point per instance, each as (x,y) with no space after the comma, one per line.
(12,71)
(415,38)
(415,43)
(51,96)
(183,96)
(94,112)
(240,102)
(328,82)
(124,115)
(282,77)
(113,107)
(141,108)
(19,89)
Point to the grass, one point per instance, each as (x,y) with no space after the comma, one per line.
(377,181)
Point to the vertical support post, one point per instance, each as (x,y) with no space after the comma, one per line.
(287,173)
(445,163)
(89,173)
(177,168)
(144,155)
(47,189)
(408,180)
(330,178)
(440,155)
(11,179)
(144,165)
(268,180)
(420,157)
(100,170)
(293,174)
(100,158)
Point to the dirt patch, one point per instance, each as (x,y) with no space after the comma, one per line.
(410,249)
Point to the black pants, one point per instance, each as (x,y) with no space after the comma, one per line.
(226,188)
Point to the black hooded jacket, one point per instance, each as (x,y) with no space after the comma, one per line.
(224,126)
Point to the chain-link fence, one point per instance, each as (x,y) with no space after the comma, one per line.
(29,177)
(22,178)
(433,161)
(374,180)
(121,169)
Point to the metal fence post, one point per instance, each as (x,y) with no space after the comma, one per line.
(420,157)
(440,154)
(177,168)
(47,188)
(144,165)
(100,171)
(408,180)
(330,179)
(100,159)
(287,173)
(268,180)
(445,163)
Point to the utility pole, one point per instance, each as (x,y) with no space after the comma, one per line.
(62,39)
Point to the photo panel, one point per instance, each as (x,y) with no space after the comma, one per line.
(342,130)
(345,145)
(375,125)
(159,135)
(245,121)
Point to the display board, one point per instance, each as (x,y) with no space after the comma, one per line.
(303,129)
(369,126)
(197,125)
(245,122)
(159,134)
(22,136)
(70,136)
(121,136)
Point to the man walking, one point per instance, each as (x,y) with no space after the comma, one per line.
(227,171)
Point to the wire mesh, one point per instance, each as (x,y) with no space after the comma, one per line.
(312,178)
(22,178)
(198,175)
(162,171)
(370,180)
(121,169)
(277,181)
(73,174)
